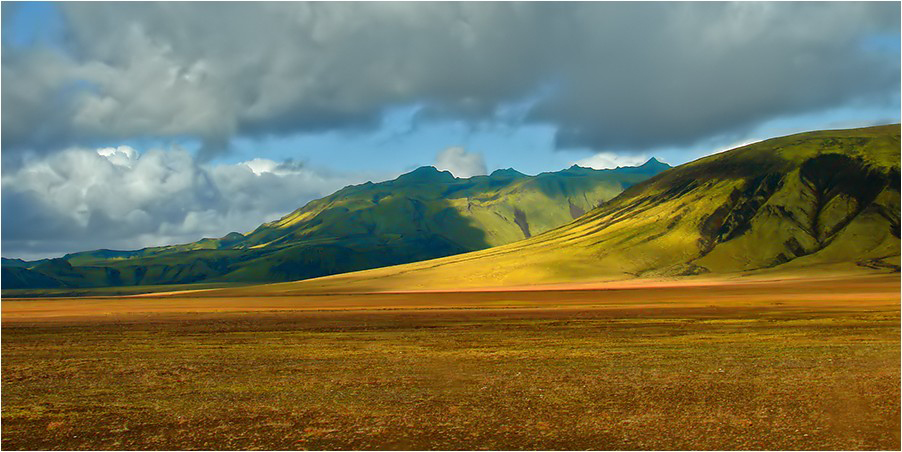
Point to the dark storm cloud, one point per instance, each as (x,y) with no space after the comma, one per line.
(630,76)
(698,71)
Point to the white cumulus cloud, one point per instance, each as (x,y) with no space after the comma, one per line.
(122,155)
(606,160)
(81,199)
(460,162)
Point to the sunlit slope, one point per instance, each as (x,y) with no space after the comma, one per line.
(805,202)
(420,215)
(474,213)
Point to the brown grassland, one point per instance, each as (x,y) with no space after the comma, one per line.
(757,364)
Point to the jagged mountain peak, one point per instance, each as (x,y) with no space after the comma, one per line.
(654,162)
(425,174)
(506,172)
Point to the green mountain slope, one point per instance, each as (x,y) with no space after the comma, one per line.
(420,215)
(21,277)
(801,203)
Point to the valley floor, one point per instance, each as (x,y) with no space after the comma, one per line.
(766,364)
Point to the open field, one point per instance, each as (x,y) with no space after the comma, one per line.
(759,364)
(114,291)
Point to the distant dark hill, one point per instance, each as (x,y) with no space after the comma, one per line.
(21,263)
(822,201)
(15,277)
(420,215)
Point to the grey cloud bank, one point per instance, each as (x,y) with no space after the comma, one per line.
(625,76)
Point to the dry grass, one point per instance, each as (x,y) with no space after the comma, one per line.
(813,366)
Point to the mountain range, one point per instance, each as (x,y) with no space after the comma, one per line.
(811,203)
(421,215)
(824,201)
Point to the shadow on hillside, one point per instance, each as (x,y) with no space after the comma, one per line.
(417,232)
(396,231)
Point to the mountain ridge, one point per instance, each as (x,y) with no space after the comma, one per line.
(808,202)
(422,214)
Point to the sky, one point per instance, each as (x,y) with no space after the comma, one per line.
(136,124)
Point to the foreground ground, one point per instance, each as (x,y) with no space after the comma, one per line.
(792,364)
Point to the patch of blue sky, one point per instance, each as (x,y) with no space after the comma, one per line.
(28,24)
(401,144)
(846,117)
(406,140)
(883,43)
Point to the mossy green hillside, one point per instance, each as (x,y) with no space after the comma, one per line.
(817,200)
(420,215)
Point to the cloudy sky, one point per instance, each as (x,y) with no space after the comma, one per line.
(127,125)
